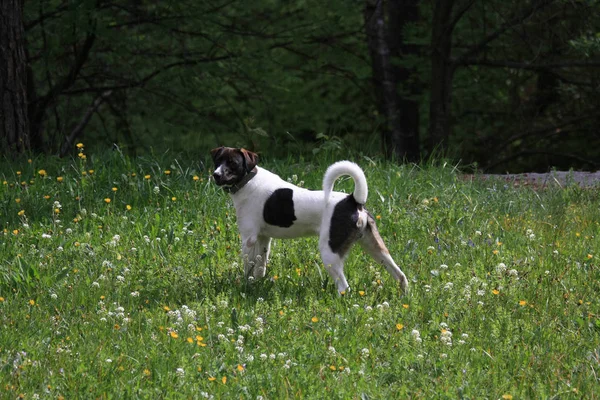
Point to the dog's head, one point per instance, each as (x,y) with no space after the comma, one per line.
(232,165)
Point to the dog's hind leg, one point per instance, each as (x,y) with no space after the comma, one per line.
(372,243)
(256,254)
(334,265)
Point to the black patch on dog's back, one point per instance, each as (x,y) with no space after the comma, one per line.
(343,231)
(279,208)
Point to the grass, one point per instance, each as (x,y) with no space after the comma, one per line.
(120,278)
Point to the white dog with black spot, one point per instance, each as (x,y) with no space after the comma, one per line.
(269,207)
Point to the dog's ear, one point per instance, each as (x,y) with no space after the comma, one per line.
(250,159)
(214,153)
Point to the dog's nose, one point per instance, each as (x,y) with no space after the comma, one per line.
(216,176)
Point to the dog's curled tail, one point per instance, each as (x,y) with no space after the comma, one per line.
(342,168)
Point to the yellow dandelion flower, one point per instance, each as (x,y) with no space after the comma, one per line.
(167,172)
(146,372)
(173,198)
(522,303)
(76,244)
(107,200)
(405,306)
(1,299)
(147,176)
(240,368)
(507,396)
(495,252)
(361,292)
(15,232)
(196,178)
(314,319)
(224,380)
(21,213)
(190,340)
(117,327)
(589,256)
(91,172)
(114,189)
(128,207)
(46,197)
(133,174)
(496,291)
(42,172)
(174,334)
(166,308)
(79,145)
(199,338)
(59,179)
(212,378)
(18,173)
(32,302)
(17,200)
(399,327)
(333,368)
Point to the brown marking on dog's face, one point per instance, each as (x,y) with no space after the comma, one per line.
(232,165)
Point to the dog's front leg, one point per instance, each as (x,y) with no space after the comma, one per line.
(255,251)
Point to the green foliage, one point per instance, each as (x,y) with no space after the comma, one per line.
(149,300)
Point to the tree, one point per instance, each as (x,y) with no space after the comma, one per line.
(14,122)
(385,22)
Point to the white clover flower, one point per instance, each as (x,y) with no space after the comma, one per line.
(46,236)
(443,325)
(95,284)
(513,272)
(263,356)
(501,268)
(57,205)
(443,355)
(120,278)
(120,309)
(249,358)
(156,190)
(443,266)
(135,294)
(272,356)
(368,308)
(365,352)
(54,296)
(108,360)
(222,337)
(480,292)
(448,286)
(331,350)
(464,336)
(180,372)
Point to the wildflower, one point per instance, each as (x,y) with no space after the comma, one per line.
(167,172)
(314,319)
(399,327)
(406,306)
(196,178)
(496,292)
(21,213)
(156,190)
(224,380)
(146,372)
(79,145)
(114,189)
(361,292)
(108,360)
(180,372)
(42,172)
(174,334)
(501,268)
(443,266)
(522,303)
(128,207)
(147,176)
(107,200)
(31,302)
(365,352)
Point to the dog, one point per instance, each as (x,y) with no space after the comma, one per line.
(269,207)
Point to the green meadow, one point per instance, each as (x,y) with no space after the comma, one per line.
(121,278)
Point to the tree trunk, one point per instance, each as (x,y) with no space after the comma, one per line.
(14,123)
(400,131)
(442,71)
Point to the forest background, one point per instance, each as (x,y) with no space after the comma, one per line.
(500,85)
